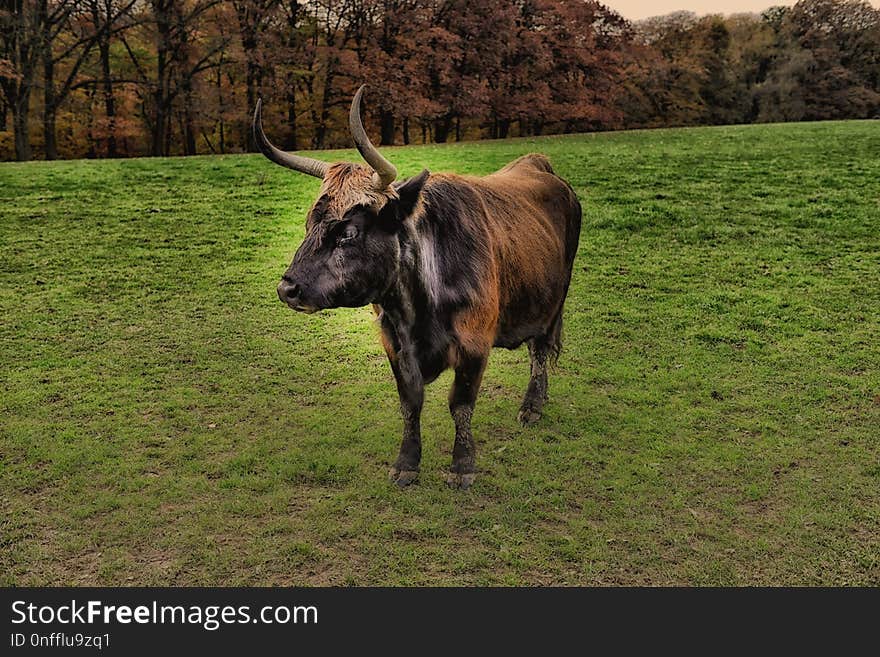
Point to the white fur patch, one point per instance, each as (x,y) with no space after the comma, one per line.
(429,269)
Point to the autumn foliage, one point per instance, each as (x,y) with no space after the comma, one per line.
(97,78)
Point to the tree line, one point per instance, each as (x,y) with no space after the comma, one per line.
(113,78)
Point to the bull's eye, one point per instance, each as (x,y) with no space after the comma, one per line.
(348,235)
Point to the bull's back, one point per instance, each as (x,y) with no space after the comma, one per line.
(533,218)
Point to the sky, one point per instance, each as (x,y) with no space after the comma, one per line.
(637,9)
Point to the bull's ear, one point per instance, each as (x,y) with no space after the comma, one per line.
(409,193)
(394,212)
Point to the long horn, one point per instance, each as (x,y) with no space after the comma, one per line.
(385,173)
(299,163)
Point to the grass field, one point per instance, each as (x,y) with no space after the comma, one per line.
(714,419)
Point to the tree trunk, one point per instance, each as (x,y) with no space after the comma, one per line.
(320,133)
(442,126)
(503,128)
(189,131)
(166,142)
(157,138)
(20,113)
(386,122)
(220,106)
(208,142)
(161,110)
(18,93)
(293,9)
(321,127)
(90,134)
(251,86)
(290,141)
(109,100)
(50,146)
(406,131)
(457,128)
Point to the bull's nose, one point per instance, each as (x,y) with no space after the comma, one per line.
(287,291)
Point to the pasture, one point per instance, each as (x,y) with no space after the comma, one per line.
(714,417)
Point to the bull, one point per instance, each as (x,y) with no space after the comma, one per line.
(452,265)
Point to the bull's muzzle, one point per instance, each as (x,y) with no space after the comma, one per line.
(290,293)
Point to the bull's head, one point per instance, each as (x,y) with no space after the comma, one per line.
(351,251)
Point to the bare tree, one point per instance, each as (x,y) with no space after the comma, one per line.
(20,39)
(107,18)
(180,56)
(337,24)
(253,19)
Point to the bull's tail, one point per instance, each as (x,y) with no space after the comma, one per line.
(572,237)
(554,339)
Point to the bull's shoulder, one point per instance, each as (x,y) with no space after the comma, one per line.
(533,161)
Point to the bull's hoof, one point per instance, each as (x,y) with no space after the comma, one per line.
(528,416)
(460,481)
(403,478)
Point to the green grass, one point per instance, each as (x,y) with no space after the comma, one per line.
(714,419)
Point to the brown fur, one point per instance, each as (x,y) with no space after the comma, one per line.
(516,212)
(347,185)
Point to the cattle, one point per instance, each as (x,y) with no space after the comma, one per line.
(453,265)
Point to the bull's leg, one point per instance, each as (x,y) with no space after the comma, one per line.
(536,393)
(462,398)
(411,389)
